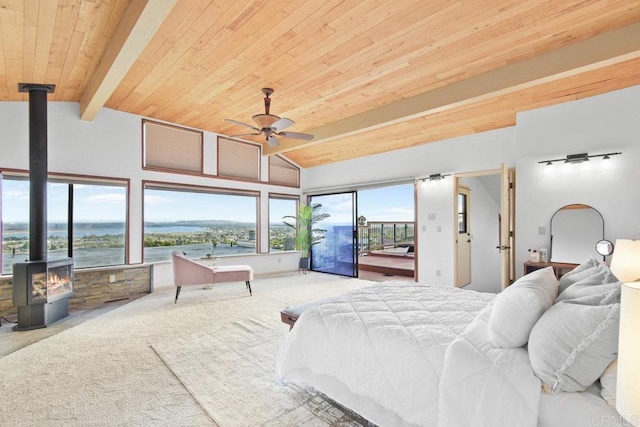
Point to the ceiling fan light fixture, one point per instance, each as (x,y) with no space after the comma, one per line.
(265,120)
(272,141)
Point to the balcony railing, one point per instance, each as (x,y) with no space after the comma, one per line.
(377,235)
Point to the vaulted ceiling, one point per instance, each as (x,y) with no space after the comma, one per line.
(364,77)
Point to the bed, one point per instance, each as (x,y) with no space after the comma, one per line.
(410,354)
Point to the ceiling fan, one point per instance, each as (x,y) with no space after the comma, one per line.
(271,125)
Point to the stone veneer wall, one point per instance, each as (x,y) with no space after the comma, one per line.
(92,287)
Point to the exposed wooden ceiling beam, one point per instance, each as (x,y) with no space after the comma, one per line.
(139,23)
(599,51)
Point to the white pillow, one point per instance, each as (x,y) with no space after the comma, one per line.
(518,308)
(573,343)
(584,270)
(602,286)
(608,382)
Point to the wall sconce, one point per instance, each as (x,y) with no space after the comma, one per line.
(625,264)
(579,158)
(434,177)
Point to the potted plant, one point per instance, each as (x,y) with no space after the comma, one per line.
(306,234)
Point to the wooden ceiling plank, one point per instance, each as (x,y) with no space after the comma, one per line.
(140,22)
(11,21)
(605,49)
(60,49)
(47,13)
(72,85)
(29,40)
(93,19)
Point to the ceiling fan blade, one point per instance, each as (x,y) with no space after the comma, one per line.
(296,135)
(281,124)
(243,124)
(273,141)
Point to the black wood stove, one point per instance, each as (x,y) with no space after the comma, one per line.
(41,288)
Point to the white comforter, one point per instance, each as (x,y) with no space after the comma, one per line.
(483,386)
(384,345)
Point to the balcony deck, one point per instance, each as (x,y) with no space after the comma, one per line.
(386,266)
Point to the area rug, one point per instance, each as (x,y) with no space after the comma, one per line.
(152,362)
(230,371)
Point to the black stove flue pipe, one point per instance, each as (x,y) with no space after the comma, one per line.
(37,168)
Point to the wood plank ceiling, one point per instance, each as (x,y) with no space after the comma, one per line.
(365,76)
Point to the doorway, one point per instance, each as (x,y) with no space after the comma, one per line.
(484,229)
(336,252)
(370,233)
(463,240)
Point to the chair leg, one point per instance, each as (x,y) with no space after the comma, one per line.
(177,293)
(249,287)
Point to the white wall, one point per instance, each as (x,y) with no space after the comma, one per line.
(110,146)
(609,122)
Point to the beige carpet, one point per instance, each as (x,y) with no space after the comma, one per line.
(151,362)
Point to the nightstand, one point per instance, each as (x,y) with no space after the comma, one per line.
(559,268)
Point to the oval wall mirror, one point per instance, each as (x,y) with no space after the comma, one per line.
(575,230)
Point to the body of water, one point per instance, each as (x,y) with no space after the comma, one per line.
(100,231)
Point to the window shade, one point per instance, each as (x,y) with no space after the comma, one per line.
(283,172)
(238,159)
(171,147)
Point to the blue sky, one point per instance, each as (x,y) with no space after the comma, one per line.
(94,203)
(381,204)
(108,204)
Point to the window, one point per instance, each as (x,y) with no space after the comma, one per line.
(98,216)
(15,222)
(282,172)
(199,221)
(238,159)
(281,236)
(99,224)
(462,213)
(172,148)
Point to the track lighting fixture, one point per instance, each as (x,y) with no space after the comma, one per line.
(579,158)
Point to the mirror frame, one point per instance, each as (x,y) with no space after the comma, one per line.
(569,206)
(605,243)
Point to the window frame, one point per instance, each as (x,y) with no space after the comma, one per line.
(195,188)
(81,179)
(281,196)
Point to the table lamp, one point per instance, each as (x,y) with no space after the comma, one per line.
(625,264)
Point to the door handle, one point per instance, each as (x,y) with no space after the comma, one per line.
(502,248)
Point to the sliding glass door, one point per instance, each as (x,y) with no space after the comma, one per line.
(336,252)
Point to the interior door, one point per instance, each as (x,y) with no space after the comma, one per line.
(336,253)
(463,240)
(506,225)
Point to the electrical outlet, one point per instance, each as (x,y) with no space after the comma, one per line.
(431,216)
(424,228)
(439,229)
(279,260)
(542,230)
(438,273)
(112,278)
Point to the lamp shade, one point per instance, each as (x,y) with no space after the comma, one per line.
(625,263)
(628,382)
